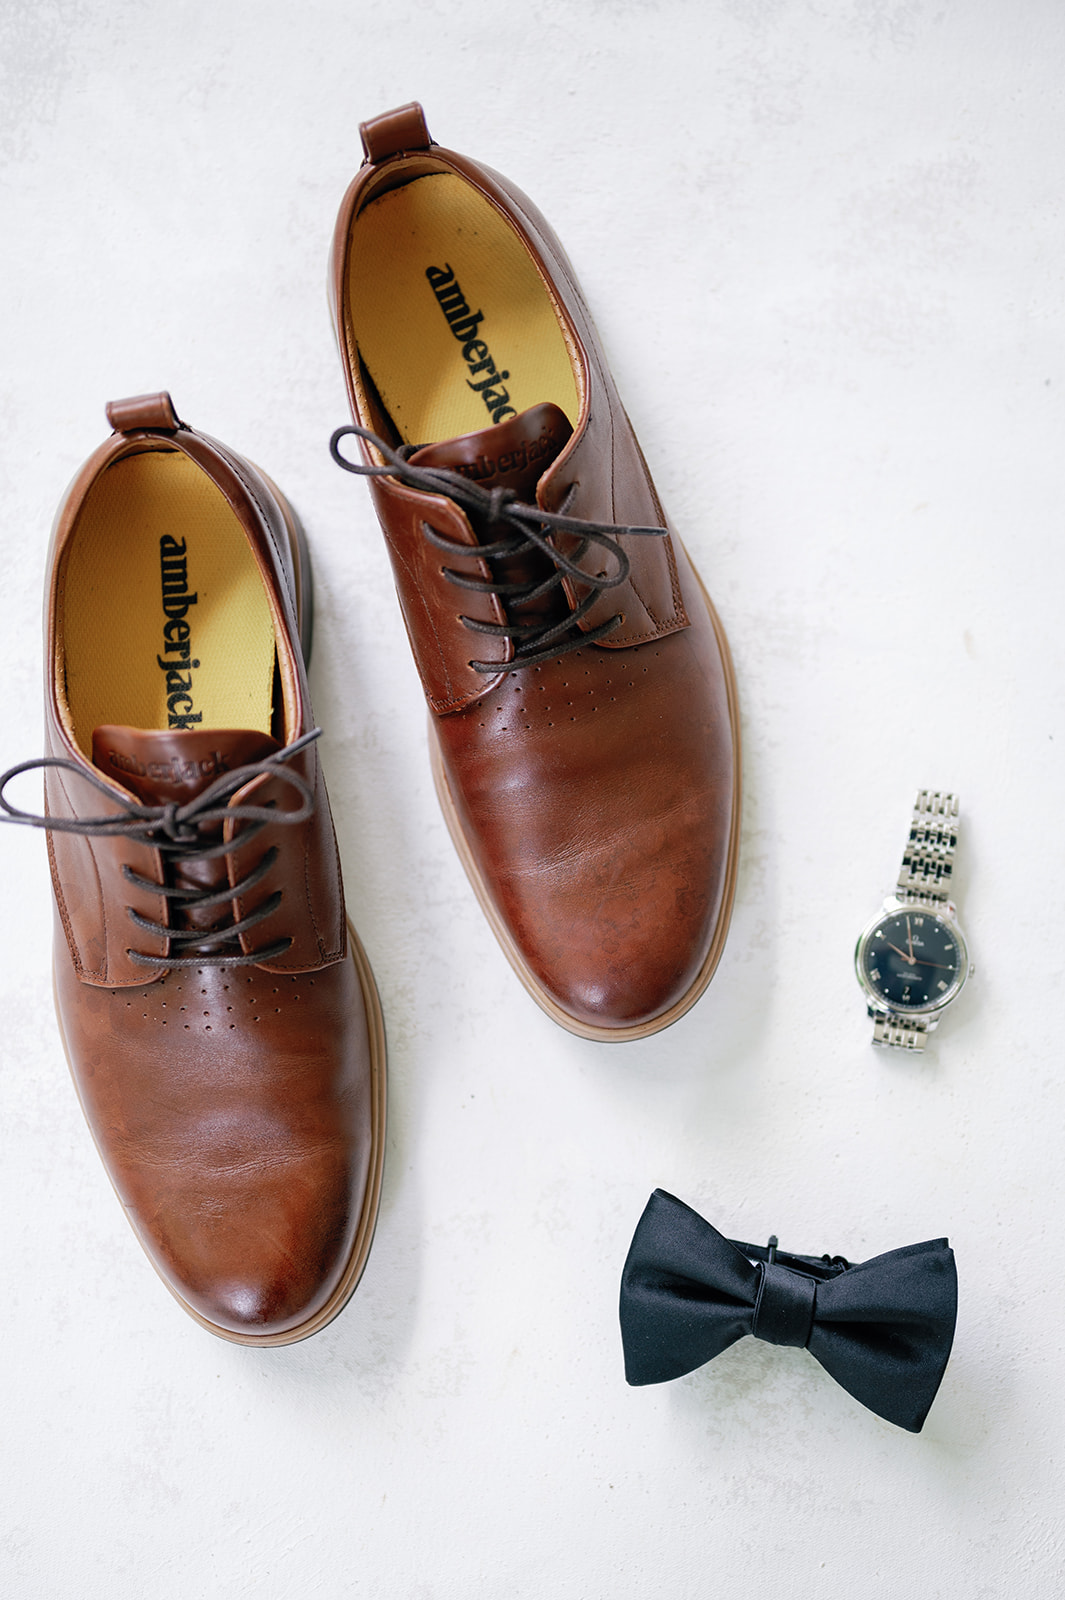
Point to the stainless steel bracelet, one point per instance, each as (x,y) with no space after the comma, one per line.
(928,861)
(904,1033)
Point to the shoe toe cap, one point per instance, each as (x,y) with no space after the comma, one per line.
(260,1261)
(625,978)
(244,1156)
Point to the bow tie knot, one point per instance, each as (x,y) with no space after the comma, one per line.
(784,1309)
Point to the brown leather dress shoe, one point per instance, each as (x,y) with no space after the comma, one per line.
(584,728)
(219,1014)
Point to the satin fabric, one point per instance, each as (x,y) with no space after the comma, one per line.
(882,1328)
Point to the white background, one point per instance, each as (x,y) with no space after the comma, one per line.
(824,244)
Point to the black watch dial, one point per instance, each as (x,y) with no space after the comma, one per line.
(912,960)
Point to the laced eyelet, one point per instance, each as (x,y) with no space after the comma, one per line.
(526,529)
(191,833)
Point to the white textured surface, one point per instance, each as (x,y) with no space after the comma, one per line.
(824,245)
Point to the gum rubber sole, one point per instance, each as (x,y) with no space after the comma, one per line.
(544,1000)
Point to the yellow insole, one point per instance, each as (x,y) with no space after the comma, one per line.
(165,619)
(429,340)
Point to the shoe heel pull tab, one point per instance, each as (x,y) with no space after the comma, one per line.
(143,411)
(395,132)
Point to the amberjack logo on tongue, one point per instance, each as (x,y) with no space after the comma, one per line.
(173,563)
(464,324)
(158,765)
(172,770)
(529,453)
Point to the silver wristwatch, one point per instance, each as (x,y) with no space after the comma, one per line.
(912,960)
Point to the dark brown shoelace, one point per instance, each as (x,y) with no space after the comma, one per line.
(525,528)
(184,834)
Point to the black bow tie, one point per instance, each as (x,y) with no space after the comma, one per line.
(882,1328)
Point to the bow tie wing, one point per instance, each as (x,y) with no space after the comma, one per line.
(687,1293)
(884,1329)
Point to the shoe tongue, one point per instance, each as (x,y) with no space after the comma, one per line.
(160,766)
(512,455)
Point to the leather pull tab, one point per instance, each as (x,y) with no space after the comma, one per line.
(143,411)
(394,132)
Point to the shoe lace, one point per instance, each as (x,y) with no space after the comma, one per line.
(525,528)
(184,834)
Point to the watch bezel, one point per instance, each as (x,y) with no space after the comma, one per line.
(943,913)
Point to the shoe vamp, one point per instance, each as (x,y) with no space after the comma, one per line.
(595,795)
(231,1108)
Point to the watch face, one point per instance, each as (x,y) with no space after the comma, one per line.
(912,960)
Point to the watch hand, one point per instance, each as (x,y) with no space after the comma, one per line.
(909,937)
(911,959)
(917,961)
